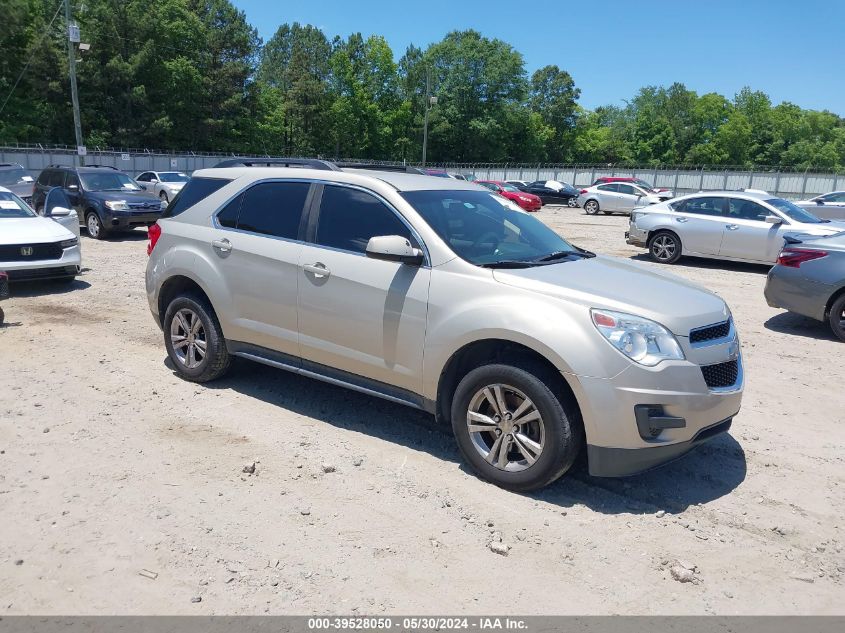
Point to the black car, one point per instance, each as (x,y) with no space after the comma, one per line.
(17,180)
(105,198)
(565,194)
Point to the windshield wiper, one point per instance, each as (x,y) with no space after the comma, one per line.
(510,263)
(563,255)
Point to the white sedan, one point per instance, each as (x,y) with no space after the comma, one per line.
(615,197)
(36,247)
(165,184)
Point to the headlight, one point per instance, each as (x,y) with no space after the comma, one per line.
(642,340)
(117,205)
(69,243)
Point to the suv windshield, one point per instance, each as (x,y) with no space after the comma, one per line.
(794,212)
(487,230)
(13,207)
(172,176)
(108,181)
(14,176)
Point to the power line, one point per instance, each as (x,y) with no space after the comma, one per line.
(29,61)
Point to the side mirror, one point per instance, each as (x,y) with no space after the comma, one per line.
(153,181)
(73,187)
(394,248)
(773,219)
(819,201)
(60,212)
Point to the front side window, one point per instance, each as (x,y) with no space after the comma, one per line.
(272,208)
(13,207)
(350,217)
(145,177)
(487,230)
(629,190)
(108,181)
(746,210)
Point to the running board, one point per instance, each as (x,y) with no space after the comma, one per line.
(330,375)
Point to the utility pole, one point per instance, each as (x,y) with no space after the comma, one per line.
(429,102)
(72,38)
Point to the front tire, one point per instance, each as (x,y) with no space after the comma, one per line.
(513,428)
(194,339)
(95,227)
(837,318)
(163,196)
(591,207)
(665,247)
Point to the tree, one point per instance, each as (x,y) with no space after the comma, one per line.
(553,96)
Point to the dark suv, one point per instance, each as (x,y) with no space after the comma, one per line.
(105,198)
(17,180)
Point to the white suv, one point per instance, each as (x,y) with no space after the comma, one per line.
(438,294)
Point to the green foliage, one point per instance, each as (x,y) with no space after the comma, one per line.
(194,75)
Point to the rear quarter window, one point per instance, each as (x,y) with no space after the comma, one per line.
(194,191)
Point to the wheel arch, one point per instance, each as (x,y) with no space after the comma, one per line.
(494,350)
(177,285)
(833,298)
(652,233)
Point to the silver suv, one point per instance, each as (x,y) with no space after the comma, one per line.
(438,294)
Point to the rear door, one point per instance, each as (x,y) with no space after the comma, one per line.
(700,223)
(361,315)
(256,245)
(747,234)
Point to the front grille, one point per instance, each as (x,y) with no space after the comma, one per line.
(41,273)
(721,375)
(145,206)
(15,252)
(710,333)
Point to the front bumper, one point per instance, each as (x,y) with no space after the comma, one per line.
(66,266)
(636,237)
(616,444)
(788,289)
(130,219)
(622,462)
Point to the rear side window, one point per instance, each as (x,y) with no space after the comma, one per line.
(610,187)
(350,217)
(272,208)
(195,190)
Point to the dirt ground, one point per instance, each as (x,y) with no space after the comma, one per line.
(122,488)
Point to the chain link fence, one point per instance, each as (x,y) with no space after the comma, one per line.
(782,181)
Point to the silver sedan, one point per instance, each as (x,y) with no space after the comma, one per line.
(615,197)
(737,226)
(829,206)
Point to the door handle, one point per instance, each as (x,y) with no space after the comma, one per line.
(318,269)
(681,220)
(732,227)
(224,245)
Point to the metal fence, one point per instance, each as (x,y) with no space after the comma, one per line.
(785,182)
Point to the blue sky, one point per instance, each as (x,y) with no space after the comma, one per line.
(794,50)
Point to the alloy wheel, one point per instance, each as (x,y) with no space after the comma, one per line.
(505,427)
(572,202)
(187,336)
(591,207)
(663,247)
(93,225)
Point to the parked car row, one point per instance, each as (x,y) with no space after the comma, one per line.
(808,252)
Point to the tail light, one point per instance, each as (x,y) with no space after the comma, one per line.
(582,191)
(154,232)
(794,257)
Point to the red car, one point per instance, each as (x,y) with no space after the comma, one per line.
(527,201)
(663,192)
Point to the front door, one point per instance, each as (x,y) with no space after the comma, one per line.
(747,234)
(608,196)
(356,314)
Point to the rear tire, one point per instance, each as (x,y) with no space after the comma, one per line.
(665,247)
(572,203)
(194,339)
(837,317)
(538,450)
(591,207)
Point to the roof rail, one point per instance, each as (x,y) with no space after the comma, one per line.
(312,163)
(376,167)
(102,167)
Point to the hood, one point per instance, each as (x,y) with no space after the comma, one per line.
(173,185)
(37,230)
(140,196)
(617,284)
